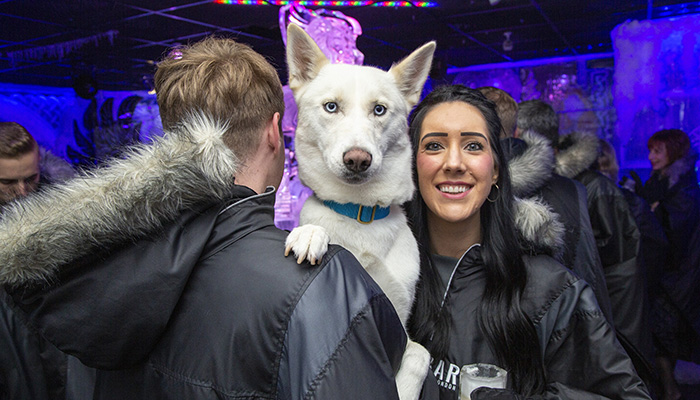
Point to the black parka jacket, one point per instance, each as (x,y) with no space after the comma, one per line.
(618,240)
(676,203)
(210,308)
(30,367)
(678,210)
(531,164)
(581,355)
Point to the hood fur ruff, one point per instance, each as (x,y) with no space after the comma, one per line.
(125,200)
(680,167)
(530,170)
(539,226)
(54,168)
(579,156)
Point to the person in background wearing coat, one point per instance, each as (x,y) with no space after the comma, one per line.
(618,240)
(674,195)
(30,366)
(653,249)
(480,298)
(530,155)
(161,269)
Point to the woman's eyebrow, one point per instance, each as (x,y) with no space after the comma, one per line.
(427,135)
(473,134)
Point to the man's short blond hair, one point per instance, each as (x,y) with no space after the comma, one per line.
(506,108)
(15,140)
(225,80)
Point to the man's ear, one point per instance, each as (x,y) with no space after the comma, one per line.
(516,134)
(272,134)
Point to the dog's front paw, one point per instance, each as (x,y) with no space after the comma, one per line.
(415,366)
(308,242)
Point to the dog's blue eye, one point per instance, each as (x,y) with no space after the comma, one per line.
(379,109)
(331,107)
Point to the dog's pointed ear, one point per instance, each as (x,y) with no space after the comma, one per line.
(304,58)
(411,72)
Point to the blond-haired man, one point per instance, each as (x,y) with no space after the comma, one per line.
(170,278)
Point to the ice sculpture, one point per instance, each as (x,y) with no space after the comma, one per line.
(334,32)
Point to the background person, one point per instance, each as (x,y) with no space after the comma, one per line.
(19,162)
(506,108)
(161,270)
(672,188)
(24,165)
(653,249)
(531,166)
(674,195)
(618,240)
(30,366)
(654,243)
(480,299)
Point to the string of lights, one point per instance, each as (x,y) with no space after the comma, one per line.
(330,3)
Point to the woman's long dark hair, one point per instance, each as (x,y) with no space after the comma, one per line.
(510,332)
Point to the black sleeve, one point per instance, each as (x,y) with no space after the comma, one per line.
(583,357)
(30,366)
(614,228)
(345,340)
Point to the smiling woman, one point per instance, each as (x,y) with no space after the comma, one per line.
(480,298)
(456,170)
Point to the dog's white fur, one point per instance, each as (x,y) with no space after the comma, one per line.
(386,248)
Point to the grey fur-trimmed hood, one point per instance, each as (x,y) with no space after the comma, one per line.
(123,201)
(54,168)
(578,151)
(680,167)
(530,170)
(539,227)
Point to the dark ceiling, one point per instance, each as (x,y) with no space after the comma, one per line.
(118,42)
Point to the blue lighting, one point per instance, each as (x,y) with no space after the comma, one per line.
(677,10)
(529,63)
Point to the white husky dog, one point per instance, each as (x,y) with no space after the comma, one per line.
(354,152)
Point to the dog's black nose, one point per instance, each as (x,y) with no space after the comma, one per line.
(357,160)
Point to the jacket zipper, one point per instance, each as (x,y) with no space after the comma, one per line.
(449,282)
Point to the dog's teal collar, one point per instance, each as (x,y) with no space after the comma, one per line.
(362,214)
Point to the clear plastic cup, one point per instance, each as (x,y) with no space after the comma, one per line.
(473,376)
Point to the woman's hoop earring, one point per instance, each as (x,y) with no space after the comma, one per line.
(498,193)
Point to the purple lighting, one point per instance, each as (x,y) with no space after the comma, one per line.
(656,82)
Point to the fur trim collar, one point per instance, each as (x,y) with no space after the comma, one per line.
(680,167)
(539,226)
(126,200)
(533,168)
(54,168)
(579,156)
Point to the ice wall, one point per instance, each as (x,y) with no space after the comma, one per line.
(656,82)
